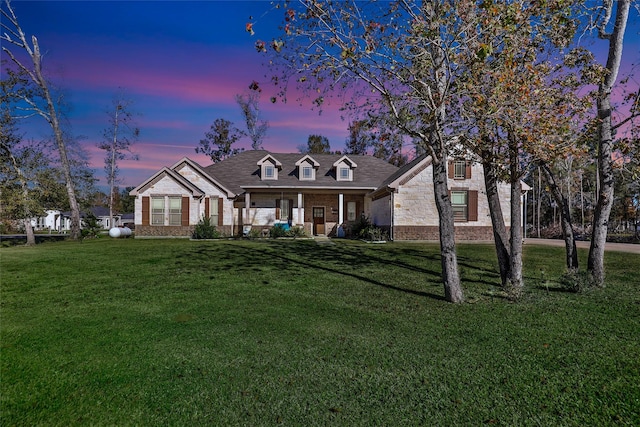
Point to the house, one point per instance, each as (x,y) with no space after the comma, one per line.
(55,220)
(319,192)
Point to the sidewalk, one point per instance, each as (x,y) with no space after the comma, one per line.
(618,247)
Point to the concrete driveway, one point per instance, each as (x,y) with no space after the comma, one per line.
(618,247)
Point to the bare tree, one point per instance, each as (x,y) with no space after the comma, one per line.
(118,138)
(595,261)
(256,128)
(12,34)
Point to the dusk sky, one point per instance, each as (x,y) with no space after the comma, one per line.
(181,63)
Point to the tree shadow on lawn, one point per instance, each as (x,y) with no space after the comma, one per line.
(289,257)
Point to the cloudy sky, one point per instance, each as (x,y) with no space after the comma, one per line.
(182,63)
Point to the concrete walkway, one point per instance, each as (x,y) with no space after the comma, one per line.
(617,247)
(321,239)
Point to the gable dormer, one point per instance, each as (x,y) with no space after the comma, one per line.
(307,168)
(269,167)
(344,168)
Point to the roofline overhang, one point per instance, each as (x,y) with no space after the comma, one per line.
(188,185)
(288,187)
(212,180)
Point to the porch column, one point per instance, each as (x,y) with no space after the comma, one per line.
(300,218)
(247,208)
(340,208)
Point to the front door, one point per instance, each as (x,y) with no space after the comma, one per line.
(318,221)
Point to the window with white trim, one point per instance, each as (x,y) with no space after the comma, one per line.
(284,210)
(344,173)
(269,171)
(307,172)
(157,211)
(213,210)
(459,169)
(175,210)
(460,205)
(351,211)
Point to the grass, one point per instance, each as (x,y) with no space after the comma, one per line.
(148,332)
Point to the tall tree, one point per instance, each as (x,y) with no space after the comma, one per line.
(219,140)
(13,34)
(316,144)
(118,138)
(509,95)
(595,260)
(391,58)
(256,128)
(359,139)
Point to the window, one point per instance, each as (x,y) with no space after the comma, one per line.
(459,203)
(459,169)
(307,172)
(284,209)
(175,210)
(351,211)
(269,172)
(214,211)
(344,174)
(157,211)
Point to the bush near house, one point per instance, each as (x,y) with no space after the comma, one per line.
(204,229)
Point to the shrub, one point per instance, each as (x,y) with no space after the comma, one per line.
(277,230)
(296,231)
(576,281)
(361,224)
(90,226)
(205,230)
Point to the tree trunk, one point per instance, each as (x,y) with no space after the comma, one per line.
(31,238)
(50,114)
(62,148)
(448,256)
(565,220)
(500,235)
(515,279)
(595,263)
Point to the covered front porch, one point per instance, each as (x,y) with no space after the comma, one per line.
(318,212)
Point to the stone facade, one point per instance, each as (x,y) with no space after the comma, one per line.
(411,212)
(143,231)
(431,232)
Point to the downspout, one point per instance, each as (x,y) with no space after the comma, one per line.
(392,216)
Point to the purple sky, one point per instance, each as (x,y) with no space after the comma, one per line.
(181,63)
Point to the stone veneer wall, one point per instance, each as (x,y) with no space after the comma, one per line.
(416,232)
(143,231)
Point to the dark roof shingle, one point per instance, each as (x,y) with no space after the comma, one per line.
(241,171)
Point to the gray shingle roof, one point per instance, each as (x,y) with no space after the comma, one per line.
(242,172)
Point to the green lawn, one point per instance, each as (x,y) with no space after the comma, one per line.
(175,332)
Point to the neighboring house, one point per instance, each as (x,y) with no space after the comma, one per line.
(320,192)
(52,220)
(55,220)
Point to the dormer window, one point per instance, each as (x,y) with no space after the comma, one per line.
(344,174)
(269,167)
(344,169)
(307,168)
(307,172)
(269,172)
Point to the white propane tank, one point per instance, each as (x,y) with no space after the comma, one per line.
(116,232)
